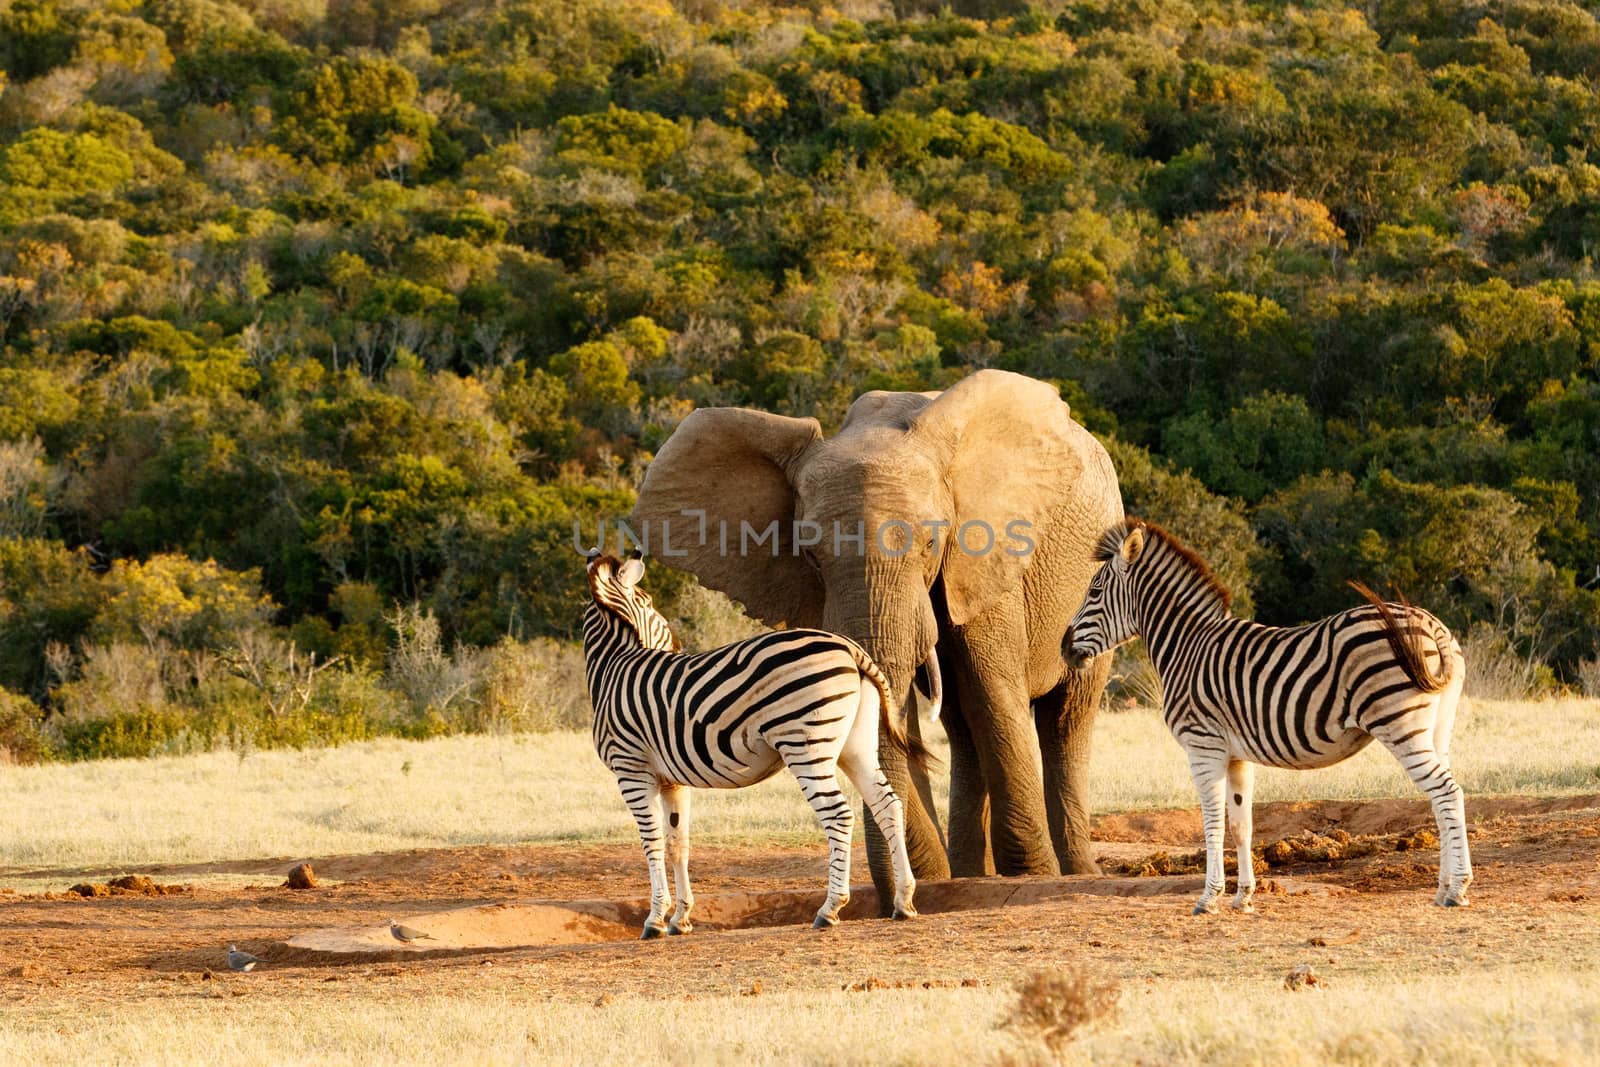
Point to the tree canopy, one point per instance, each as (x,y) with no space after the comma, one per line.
(301,298)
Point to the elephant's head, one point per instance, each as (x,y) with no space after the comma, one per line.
(919,496)
(925,509)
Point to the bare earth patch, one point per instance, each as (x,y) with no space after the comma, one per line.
(1537,897)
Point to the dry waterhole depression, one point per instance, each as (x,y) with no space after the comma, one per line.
(515,855)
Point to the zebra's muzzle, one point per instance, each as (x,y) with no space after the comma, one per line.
(1075,658)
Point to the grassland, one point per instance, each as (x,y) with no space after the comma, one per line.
(1502,1016)
(1512,981)
(390,794)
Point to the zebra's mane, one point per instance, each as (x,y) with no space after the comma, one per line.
(1110,544)
(602,602)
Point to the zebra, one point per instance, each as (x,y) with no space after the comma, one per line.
(666,722)
(1237,693)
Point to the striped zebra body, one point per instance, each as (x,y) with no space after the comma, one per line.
(666,722)
(1236,693)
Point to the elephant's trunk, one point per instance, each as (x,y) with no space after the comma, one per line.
(935,701)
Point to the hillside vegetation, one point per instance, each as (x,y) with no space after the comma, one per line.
(323,322)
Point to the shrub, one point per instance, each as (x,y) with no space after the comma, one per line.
(22,739)
(704,619)
(147,731)
(1055,1005)
(115,679)
(535,686)
(1588,675)
(433,681)
(1496,671)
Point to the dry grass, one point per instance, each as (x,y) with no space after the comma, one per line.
(391,794)
(1545,747)
(1497,1016)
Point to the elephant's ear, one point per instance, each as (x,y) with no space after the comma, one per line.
(1014,456)
(734,464)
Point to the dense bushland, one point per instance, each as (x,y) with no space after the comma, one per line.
(321,322)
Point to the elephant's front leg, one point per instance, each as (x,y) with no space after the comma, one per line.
(994,700)
(970,856)
(1065,721)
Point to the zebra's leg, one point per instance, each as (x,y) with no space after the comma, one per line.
(1209,768)
(1461,856)
(1241,782)
(1414,749)
(888,813)
(675,801)
(816,772)
(643,795)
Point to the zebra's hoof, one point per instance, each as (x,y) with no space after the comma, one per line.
(651,933)
(1456,902)
(824,922)
(680,928)
(1206,907)
(1243,906)
(907,912)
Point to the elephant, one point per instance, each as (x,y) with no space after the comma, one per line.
(951,535)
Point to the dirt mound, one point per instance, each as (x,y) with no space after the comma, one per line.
(130,885)
(1284,819)
(301,876)
(1304,847)
(506,926)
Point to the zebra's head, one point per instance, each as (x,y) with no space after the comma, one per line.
(1108,615)
(615,588)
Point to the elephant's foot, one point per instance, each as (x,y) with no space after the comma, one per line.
(1080,863)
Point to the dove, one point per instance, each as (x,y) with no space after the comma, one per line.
(240,961)
(407,934)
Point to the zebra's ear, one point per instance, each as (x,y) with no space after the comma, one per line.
(1132,546)
(630,572)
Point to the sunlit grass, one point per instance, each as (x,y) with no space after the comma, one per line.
(388,795)
(1499,1016)
(1535,747)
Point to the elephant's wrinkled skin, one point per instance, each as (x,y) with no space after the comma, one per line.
(998,448)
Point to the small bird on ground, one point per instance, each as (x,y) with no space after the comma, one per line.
(240,961)
(407,934)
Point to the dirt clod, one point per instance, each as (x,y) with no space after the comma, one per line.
(1302,977)
(753,991)
(301,876)
(1422,839)
(1327,942)
(90,889)
(135,884)
(603,999)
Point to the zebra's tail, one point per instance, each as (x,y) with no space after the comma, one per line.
(914,751)
(1406,643)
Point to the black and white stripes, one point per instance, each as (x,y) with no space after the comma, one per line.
(666,722)
(1236,693)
